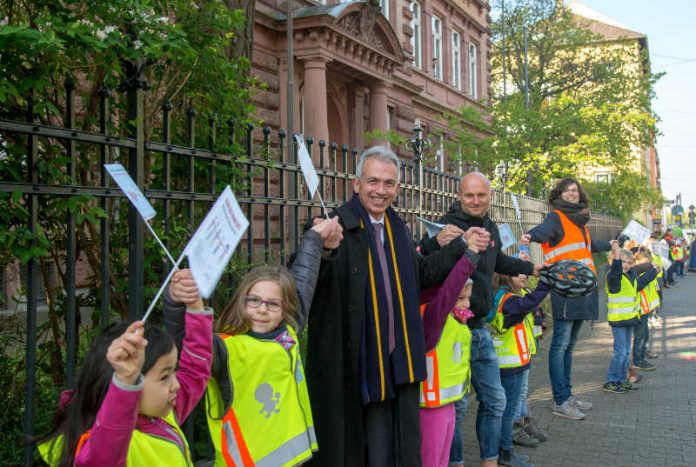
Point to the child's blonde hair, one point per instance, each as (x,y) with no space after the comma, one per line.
(233,319)
(469,287)
(626,254)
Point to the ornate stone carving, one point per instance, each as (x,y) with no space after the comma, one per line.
(361,24)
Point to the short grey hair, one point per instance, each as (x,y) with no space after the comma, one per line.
(382,153)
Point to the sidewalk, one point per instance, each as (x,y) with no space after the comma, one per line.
(653,426)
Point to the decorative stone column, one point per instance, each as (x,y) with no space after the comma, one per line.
(379,113)
(357,116)
(315,117)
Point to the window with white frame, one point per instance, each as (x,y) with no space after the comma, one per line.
(473,71)
(456,60)
(437,46)
(416,38)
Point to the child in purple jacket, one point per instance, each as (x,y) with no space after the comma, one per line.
(445,310)
(131,395)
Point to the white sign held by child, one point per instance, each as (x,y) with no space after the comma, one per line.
(636,232)
(131,190)
(662,250)
(507,238)
(432,228)
(212,245)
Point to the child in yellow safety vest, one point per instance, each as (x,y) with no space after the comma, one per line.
(130,398)
(257,403)
(445,311)
(514,342)
(623,313)
(649,303)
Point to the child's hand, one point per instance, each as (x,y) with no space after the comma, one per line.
(126,354)
(184,289)
(471,242)
(330,231)
(477,239)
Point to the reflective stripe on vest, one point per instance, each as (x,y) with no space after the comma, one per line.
(573,245)
(269,422)
(624,305)
(447,365)
(512,345)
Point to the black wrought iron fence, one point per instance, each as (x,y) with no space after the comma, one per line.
(181,180)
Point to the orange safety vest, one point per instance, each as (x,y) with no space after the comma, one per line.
(575,244)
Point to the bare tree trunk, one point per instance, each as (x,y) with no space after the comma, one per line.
(241,45)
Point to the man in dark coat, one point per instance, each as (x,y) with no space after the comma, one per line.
(471,210)
(366,350)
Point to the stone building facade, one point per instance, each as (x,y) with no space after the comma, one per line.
(368,66)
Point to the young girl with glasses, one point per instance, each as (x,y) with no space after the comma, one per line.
(257,404)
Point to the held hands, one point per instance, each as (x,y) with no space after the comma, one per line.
(539,267)
(615,249)
(126,354)
(330,231)
(183,289)
(471,241)
(525,239)
(481,240)
(448,233)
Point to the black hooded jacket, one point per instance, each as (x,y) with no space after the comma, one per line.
(491,260)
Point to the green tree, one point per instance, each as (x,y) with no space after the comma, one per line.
(185,51)
(588,101)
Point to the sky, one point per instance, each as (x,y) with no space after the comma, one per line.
(670,27)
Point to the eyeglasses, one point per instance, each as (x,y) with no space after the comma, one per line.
(572,190)
(252,301)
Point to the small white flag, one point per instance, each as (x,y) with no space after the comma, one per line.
(131,190)
(507,238)
(308,170)
(516,205)
(431,228)
(211,247)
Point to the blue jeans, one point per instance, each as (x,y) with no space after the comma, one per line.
(457,448)
(485,377)
(513,386)
(640,340)
(565,335)
(522,408)
(618,367)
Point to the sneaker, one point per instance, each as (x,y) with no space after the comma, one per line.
(628,386)
(510,458)
(650,354)
(581,404)
(616,388)
(567,410)
(533,430)
(644,366)
(522,438)
(635,378)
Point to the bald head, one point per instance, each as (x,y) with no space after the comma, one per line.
(475,194)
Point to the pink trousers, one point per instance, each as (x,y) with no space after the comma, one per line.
(436,431)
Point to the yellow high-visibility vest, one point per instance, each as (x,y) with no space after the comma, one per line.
(144,449)
(269,422)
(624,305)
(649,297)
(512,345)
(448,366)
